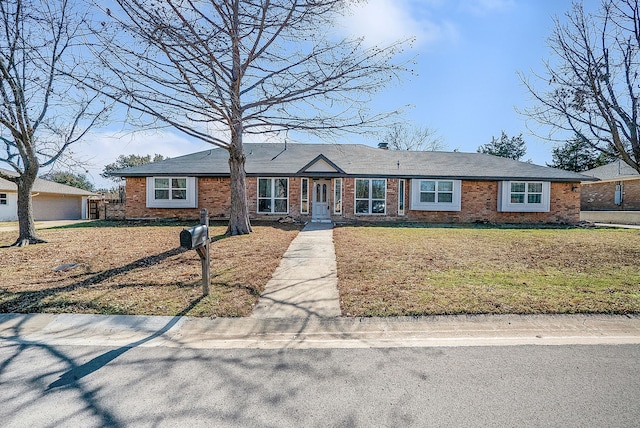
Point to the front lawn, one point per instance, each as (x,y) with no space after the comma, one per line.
(128,268)
(124,268)
(386,271)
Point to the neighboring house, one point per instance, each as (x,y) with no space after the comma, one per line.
(350,182)
(615,198)
(618,188)
(51,201)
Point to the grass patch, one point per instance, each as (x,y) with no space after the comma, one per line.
(386,271)
(129,268)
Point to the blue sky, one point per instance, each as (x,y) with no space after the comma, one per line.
(468,55)
(466,87)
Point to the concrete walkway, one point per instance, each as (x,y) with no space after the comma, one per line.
(305,284)
(622,226)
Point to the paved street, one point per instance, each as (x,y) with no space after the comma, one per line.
(148,382)
(308,367)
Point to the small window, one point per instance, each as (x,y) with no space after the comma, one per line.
(401,192)
(3,199)
(436,191)
(337,196)
(371,196)
(526,193)
(304,196)
(524,196)
(436,195)
(171,192)
(170,188)
(273,195)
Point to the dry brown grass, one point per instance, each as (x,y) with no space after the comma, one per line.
(383,271)
(419,271)
(138,270)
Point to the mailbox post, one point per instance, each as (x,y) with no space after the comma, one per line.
(197,238)
(204,258)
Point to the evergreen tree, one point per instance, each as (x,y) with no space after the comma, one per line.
(127,161)
(505,147)
(575,155)
(70,179)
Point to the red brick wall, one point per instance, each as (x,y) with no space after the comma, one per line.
(600,196)
(348,202)
(479,203)
(294,199)
(213,194)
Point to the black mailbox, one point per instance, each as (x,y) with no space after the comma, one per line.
(194,237)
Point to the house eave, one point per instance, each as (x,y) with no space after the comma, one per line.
(388,176)
(616,179)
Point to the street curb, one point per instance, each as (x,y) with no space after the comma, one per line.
(314,332)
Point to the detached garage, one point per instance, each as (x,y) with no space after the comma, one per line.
(51,201)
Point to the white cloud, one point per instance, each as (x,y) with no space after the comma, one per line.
(100,149)
(386,21)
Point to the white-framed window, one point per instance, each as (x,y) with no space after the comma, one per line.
(273,195)
(524,196)
(171,192)
(401,196)
(3,199)
(337,195)
(371,196)
(436,195)
(304,196)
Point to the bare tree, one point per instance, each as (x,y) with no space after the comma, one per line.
(219,70)
(42,112)
(592,85)
(407,137)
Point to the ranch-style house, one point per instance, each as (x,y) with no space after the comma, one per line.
(352,182)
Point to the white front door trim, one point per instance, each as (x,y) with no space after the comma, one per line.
(320,209)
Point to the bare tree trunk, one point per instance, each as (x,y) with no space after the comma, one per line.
(239,216)
(27,228)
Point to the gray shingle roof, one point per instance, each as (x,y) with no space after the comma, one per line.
(612,171)
(43,186)
(268,159)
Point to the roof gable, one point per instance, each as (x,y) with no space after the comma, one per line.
(617,170)
(321,164)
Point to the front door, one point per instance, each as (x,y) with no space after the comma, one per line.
(320,207)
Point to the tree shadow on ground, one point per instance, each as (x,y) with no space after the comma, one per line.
(78,372)
(32,299)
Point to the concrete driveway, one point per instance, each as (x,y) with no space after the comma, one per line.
(10,226)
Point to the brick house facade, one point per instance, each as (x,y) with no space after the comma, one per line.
(617,190)
(357,183)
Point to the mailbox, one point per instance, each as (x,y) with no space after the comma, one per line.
(194,237)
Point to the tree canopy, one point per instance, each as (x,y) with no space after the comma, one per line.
(44,105)
(505,146)
(220,70)
(575,155)
(591,85)
(70,179)
(409,137)
(126,161)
